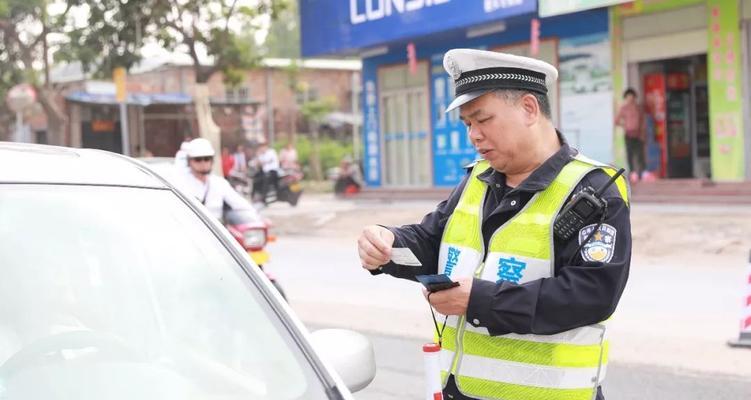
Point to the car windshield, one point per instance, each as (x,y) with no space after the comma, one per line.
(124,293)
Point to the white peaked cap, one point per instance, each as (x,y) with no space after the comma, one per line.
(476,72)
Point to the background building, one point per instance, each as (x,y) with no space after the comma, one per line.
(683,57)
(689,61)
(160,103)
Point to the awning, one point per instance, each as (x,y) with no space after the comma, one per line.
(339,118)
(138,99)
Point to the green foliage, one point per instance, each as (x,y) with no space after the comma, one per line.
(315,110)
(116,30)
(112,36)
(18,10)
(293,75)
(224,29)
(283,40)
(332,151)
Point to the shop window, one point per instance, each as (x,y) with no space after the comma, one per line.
(239,93)
(404,105)
(308,94)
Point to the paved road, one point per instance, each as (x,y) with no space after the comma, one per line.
(400,377)
(668,335)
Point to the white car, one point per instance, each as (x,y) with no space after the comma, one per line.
(116,286)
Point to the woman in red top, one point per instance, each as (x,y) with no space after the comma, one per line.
(227,162)
(630,117)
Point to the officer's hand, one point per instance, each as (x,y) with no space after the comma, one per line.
(452,301)
(374,246)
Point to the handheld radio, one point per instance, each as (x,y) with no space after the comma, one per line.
(581,210)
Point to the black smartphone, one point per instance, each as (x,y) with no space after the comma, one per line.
(436,283)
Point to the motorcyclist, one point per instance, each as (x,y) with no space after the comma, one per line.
(211,190)
(267,162)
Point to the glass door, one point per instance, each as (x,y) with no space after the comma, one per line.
(679,118)
(404,120)
(700,96)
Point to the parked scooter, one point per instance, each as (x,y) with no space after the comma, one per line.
(253,235)
(289,188)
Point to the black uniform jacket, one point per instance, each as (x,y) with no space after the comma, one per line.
(581,292)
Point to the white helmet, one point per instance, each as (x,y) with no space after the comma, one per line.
(200,147)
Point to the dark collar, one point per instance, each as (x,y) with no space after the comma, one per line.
(542,176)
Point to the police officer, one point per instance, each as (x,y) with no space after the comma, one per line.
(527,320)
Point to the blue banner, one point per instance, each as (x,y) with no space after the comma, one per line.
(336,26)
(372,161)
(452,149)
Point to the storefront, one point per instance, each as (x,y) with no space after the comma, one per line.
(409,140)
(684,60)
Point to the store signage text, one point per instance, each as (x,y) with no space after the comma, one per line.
(493,5)
(379,9)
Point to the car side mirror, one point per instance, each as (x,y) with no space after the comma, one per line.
(350,354)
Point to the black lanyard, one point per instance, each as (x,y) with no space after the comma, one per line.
(435,322)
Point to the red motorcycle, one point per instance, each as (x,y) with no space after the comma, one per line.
(253,235)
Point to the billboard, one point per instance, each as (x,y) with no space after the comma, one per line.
(340,26)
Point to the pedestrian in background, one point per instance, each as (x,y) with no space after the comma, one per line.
(288,157)
(228,162)
(631,118)
(267,175)
(349,180)
(240,160)
(527,320)
(181,156)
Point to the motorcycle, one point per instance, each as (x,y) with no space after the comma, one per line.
(289,188)
(240,183)
(253,235)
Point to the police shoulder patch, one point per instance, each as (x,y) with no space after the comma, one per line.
(601,247)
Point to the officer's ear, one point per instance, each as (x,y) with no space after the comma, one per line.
(530,108)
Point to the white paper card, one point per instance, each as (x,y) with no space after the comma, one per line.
(404,256)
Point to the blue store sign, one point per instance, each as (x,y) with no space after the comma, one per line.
(337,26)
(452,149)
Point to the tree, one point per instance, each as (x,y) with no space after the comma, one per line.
(217,35)
(106,38)
(223,30)
(10,75)
(283,39)
(24,26)
(314,112)
(111,35)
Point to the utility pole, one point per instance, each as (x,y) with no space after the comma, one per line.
(118,75)
(270,104)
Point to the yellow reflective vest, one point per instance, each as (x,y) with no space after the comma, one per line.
(565,366)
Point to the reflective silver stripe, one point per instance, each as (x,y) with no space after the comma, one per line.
(469,259)
(526,374)
(584,336)
(446,358)
(500,76)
